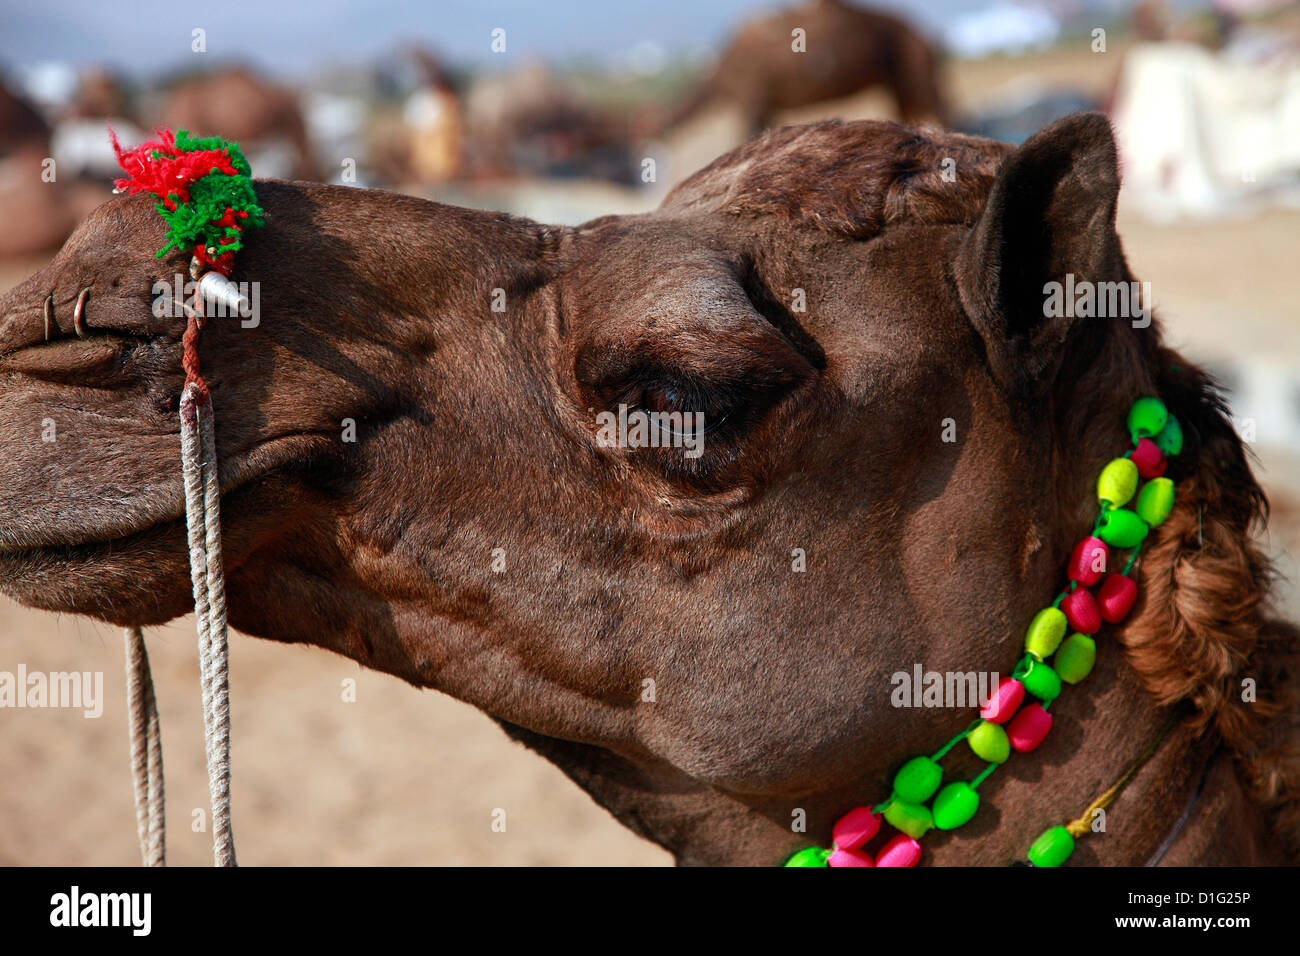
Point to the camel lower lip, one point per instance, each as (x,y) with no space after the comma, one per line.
(69,358)
(51,533)
(163,505)
(27,550)
(80,578)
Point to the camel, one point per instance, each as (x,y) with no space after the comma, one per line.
(846,49)
(246,108)
(529,121)
(40,211)
(704,644)
(21,124)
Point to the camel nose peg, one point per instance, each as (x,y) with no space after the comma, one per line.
(79,313)
(216,289)
(49,315)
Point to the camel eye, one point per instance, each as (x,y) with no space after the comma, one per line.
(663,399)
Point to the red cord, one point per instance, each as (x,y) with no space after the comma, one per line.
(190,344)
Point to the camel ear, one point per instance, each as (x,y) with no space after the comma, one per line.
(1051,212)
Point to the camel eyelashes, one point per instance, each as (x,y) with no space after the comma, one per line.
(667,396)
(668,399)
(664,398)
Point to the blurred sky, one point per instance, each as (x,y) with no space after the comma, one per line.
(295,36)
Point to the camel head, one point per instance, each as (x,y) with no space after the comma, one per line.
(898,449)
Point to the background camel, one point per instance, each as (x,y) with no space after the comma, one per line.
(848,49)
(42,204)
(20,123)
(475,433)
(247,109)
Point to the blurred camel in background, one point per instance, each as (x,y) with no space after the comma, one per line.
(846,49)
(41,206)
(248,109)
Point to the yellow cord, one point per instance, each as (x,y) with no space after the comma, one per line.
(1083,824)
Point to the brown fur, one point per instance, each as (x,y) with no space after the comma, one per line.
(1202,624)
(475,431)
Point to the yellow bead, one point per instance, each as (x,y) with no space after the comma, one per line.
(990,742)
(1117,483)
(1045,632)
(912,818)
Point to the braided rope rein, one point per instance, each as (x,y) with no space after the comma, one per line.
(204,192)
(146,752)
(207,575)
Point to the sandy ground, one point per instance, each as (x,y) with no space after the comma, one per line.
(402,776)
(399,777)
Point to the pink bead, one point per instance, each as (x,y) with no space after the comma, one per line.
(1088,561)
(1029,728)
(1004,701)
(1082,611)
(1116,596)
(902,850)
(850,858)
(1148,457)
(855,828)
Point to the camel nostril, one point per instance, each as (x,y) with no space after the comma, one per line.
(49,315)
(78,315)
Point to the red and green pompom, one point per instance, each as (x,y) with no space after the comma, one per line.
(204,189)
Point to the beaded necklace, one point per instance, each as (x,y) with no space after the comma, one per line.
(1004,724)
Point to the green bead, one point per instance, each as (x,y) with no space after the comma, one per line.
(1042,681)
(912,818)
(1156,501)
(989,741)
(1117,482)
(1045,632)
(1122,528)
(1170,439)
(1147,418)
(955,804)
(1052,848)
(918,779)
(1075,658)
(809,856)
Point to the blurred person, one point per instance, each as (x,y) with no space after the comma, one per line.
(435,128)
(80,142)
(1210,126)
(1151,21)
